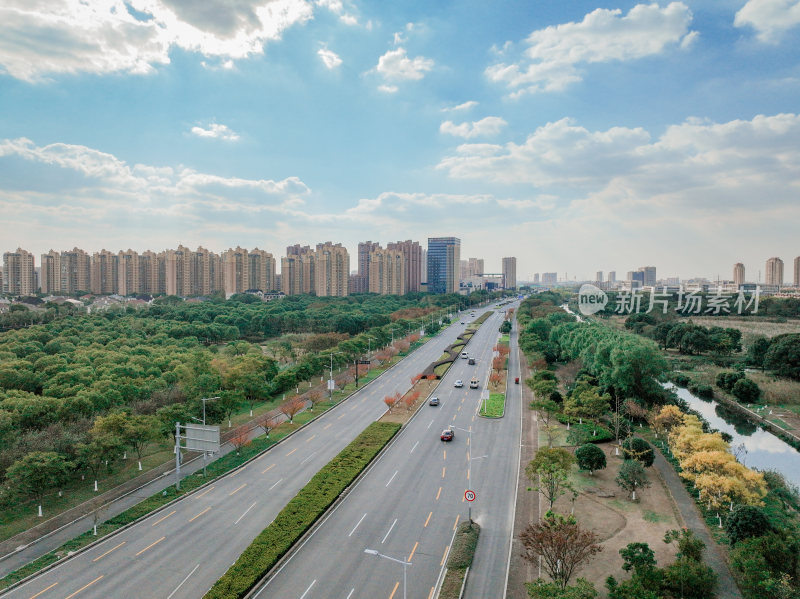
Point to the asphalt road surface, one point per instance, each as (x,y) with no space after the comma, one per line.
(409,503)
(181,551)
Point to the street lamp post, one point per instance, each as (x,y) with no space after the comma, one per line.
(399,561)
(204,400)
(330,385)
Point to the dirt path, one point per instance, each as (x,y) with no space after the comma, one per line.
(527,501)
(726,586)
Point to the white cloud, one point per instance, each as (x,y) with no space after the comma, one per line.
(215,131)
(329,57)
(395,65)
(551,60)
(770,18)
(388,89)
(44,37)
(697,165)
(490,125)
(463,106)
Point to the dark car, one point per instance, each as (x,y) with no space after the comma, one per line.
(448,434)
(471,361)
(434,401)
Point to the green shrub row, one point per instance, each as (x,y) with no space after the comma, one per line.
(301,512)
(464,545)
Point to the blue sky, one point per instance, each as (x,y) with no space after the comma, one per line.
(577,136)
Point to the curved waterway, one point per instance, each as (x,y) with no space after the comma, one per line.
(765,451)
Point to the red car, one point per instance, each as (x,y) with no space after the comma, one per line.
(448,434)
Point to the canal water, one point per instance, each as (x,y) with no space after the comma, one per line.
(764,451)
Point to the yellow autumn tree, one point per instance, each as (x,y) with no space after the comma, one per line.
(666,419)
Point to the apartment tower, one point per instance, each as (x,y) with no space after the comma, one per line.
(444,260)
(774,272)
(19,274)
(510,273)
(412,257)
(738,274)
(387,272)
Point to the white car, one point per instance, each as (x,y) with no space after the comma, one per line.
(458,383)
(464,355)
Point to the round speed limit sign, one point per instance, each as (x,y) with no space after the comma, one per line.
(469,495)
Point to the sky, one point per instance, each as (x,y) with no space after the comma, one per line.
(577,136)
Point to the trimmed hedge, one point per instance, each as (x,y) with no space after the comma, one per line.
(301,512)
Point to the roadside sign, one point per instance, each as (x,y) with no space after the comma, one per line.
(200,437)
(363,361)
(469,495)
(331,385)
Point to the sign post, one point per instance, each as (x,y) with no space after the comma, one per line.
(197,437)
(469,495)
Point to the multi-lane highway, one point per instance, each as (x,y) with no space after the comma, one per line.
(180,551)
(409,503)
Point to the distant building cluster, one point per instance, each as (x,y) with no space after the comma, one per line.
(401,267)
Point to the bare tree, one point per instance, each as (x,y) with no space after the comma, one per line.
(292,407)
(240,439)
(267,423)
(561,543)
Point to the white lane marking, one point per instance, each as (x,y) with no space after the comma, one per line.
(245,513)
(350,594)
(391,479)
(276,484)
(357,523)
(386,536)
(182,581)
(413,448)
(311,455)
(308,589)
(429,424)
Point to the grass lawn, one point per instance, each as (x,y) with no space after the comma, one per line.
(495,406)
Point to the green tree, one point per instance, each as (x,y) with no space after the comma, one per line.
(582,589)
(36,473)
(746,521)
(590,457)
(746,391)
(631,477)
(549,472)
(783,355)
(505,328)
(635,448)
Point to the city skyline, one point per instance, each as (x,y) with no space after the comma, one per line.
(636,133)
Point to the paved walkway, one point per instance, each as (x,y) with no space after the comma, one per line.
(726,586)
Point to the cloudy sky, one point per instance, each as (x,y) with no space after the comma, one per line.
(577,136)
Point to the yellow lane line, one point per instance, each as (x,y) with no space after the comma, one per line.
(151,545)
(327,426)
(394,590)
(160,520)
(340,417)
(438,493)
(445,454)
(237,490)
(291,452)
(200,514)
(84,587)
(412,551)
(467,473)
(442,471)
(40,592)
(455,523)
(109,551)
(270,467)
(311,437)
(444,555)
(430,595)
(204,492)
(459,409)
(467,441)
(428,520)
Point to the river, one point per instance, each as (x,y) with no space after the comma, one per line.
(764,450)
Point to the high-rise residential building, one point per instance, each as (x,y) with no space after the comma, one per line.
(365,249)
(536,278)
(475,267)
(463,269)
(738,274)
(153,272)
(423,277)
(549,278)
(177,265)
(387,274)
(332,269)
(19,276)
(74,267)
(104,273)
(49,280)
(598,277)
(612,276)
(510,273)
(130,272)
(649,278)
(237,271)
(774,272)
(262,270)
(444,261)
(412,256)
(797,272)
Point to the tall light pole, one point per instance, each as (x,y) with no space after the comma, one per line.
(204,400)
(399,561)
(330,380)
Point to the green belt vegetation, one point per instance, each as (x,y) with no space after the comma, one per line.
(460,558)
(301,512)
